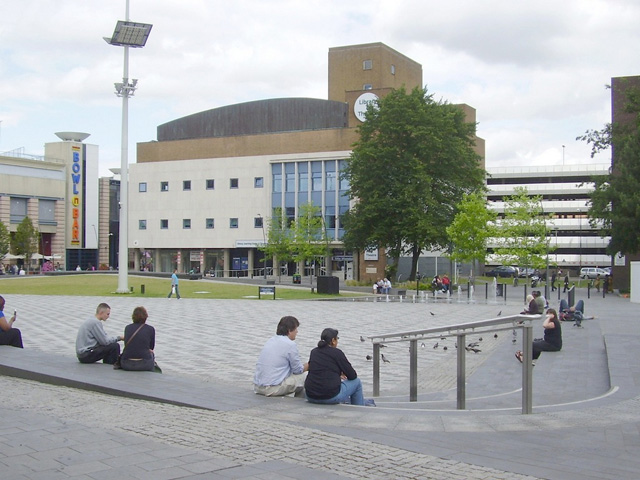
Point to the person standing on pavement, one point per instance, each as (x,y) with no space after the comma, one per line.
(9,335)
(279,370)
(566,282)
(93,343)
(174,285)
(553,281)
(331,378)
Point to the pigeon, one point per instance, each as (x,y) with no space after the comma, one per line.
(514,340)
(495,335)
(480,339)
(382,345)
(499,313)
(384,359)
(432,313)
(369,357)
(362,339)
(444,348)
(476,350)
(442,338)
(472,344)
(435,345)
(422,345)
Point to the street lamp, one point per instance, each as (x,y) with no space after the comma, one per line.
(264,244)
(126,34)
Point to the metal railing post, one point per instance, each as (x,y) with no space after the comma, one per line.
(527,369)
(376,369)
(461,372)
(413,370)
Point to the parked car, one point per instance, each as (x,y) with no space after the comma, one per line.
(526,272)
(502,271)
(591,273)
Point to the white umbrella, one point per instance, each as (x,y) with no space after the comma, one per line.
(10,256)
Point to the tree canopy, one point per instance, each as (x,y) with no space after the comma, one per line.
(5,240)
(521,235)
(413,163)
(25,240)
(470,231)
(615,201)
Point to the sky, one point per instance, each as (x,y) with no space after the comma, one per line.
(536,72)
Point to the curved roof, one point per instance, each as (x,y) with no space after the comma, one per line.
(258,117)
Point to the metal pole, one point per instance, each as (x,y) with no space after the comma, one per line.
(461,370)
(413,370)
(527,369)
(376,369)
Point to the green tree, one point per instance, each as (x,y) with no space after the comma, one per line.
(309,235)
(25,240)
(615,200)
(279,239)
(412,164)
(5,240)
(471,229)
(521,235)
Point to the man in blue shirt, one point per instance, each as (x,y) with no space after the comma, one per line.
(279,370)
(174,285)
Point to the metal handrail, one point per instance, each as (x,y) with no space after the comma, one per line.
(460,331)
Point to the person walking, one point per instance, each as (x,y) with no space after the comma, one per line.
(566,282)
(174,285)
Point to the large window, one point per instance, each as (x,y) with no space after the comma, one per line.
(18,209)
(277,183)
(290,179)
(47,212)
(331,181)
(303,181)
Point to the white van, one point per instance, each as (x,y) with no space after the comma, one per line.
(592,273)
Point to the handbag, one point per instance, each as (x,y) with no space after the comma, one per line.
(173,289)
(118,365)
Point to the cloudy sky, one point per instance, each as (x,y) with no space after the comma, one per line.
(535,71)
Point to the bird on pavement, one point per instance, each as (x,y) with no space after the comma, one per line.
(495,335)
(362,339)
(444,348)
(422,345)
(384,359)
(435,345)
(432,313)
(499,313)
(369,357)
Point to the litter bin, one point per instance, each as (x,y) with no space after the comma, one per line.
(297,279)
(500,290)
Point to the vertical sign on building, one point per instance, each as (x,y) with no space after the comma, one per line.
(76,196)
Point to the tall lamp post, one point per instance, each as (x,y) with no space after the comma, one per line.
(264,244)
(126,34)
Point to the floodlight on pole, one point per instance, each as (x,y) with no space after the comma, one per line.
(126,34)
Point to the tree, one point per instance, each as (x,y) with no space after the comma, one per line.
(25,240)
(279,239)
(615,200)
(309,236)
(521,235)
(470,230)
(412,164)
(5,240)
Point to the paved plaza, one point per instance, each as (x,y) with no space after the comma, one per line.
(201,420)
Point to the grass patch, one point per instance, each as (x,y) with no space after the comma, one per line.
(105,285)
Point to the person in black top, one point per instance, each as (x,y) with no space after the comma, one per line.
(331,378)
(139,341)
(552,341)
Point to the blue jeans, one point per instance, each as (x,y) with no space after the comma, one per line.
(350,390)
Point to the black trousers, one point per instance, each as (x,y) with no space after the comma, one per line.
(11,337)
(107,353)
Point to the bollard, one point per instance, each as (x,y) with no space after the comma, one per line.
(142,289)
(131,289)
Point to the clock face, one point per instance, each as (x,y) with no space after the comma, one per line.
(360,107)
